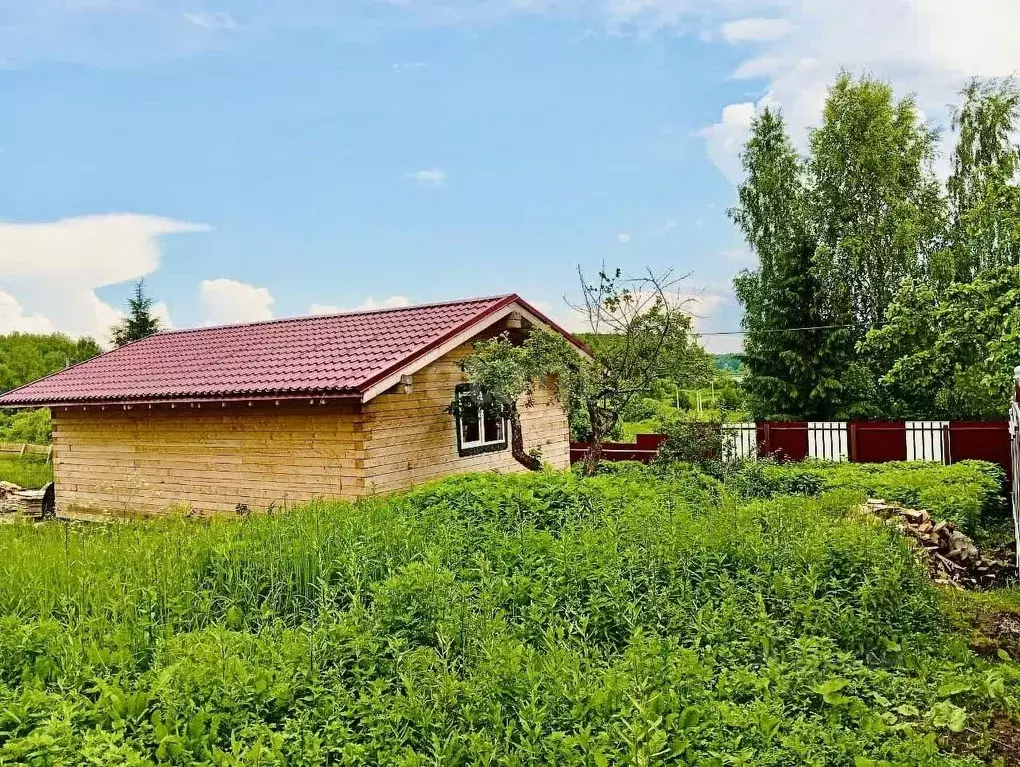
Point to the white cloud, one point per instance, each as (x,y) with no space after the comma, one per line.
(226,301)
(403,67)
(726,138)
(162,312)
(13,317)
(929,48)
(623,237)
(54,268)
(429,177)
(212,21)
(369,304)
(755,30)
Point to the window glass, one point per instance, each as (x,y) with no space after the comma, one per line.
(493,427)
(479,426)
(470,425)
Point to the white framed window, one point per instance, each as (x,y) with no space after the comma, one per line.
(480,428)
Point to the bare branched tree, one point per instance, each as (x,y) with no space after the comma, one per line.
(640,332)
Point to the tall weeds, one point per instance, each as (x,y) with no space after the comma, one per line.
(486,620)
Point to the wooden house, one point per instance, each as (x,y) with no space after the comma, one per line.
(268,414)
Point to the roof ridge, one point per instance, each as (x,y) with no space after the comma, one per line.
(348,313)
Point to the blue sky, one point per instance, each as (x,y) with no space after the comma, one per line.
(269,158)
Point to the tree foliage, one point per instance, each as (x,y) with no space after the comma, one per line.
(25,357)
(140,321)
(502,373)
(860,233)
(875,205)
(984,200)
(794,366)
(950,354)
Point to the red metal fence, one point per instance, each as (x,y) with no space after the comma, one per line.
(857,441)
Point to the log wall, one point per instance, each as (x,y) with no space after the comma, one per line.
(208,460)
(143,462)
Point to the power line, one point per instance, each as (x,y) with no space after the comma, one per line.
(780,330)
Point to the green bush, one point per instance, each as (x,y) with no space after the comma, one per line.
(968,493)
(545,618)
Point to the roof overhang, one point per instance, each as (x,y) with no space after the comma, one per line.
(515,306)
(310,398)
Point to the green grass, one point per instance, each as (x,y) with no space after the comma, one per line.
(537,619)
(25,471)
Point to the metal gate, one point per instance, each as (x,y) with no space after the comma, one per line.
(1014,433)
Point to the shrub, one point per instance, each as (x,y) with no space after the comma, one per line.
(968,493)
(534,619)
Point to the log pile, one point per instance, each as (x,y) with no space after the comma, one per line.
(37,504)
(7,492)
(31,503)
(952,557)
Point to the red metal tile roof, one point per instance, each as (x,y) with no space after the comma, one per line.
(339,354)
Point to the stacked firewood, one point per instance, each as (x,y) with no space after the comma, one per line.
(952,557)
(7,494)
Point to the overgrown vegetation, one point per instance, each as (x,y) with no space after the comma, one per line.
(968,493)
(542,618)
(25,471)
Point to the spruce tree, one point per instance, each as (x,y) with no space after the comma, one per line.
(140,322)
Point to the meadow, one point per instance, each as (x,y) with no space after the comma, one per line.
(627,619)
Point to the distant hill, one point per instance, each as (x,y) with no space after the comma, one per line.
(729,362)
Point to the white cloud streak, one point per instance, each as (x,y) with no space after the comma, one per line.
(212,21)
(369,304)
(434,178)
(755,30)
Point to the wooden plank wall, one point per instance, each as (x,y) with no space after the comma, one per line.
(410,438)
(142,461)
